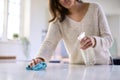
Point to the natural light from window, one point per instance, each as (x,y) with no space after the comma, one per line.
(10,12)
(1,17)
(13,18)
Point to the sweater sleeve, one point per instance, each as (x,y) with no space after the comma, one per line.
(50,42)
(104,40)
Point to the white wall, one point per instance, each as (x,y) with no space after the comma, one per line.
(38,21)
(114,22)
(110,7)
(12,48)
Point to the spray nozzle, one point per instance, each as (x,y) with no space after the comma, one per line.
(81,36)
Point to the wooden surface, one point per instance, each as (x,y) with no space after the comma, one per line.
(7,57)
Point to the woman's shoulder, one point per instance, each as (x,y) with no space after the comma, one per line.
(56,22)
(95,4)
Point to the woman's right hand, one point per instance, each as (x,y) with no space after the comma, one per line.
(36,61)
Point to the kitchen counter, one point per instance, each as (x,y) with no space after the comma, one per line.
(15,70)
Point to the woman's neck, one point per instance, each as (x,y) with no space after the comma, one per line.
(76,8)
(77,13)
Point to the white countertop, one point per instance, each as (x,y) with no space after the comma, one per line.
(58,71)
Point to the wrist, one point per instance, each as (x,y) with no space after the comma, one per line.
(42,59)
(94,42)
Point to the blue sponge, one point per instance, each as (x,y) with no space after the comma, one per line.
(37,67)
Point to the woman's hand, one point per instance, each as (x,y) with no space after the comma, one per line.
(87,42)
(36,61)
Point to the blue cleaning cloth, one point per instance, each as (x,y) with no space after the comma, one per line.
(37,67)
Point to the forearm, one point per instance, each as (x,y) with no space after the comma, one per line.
(46,50)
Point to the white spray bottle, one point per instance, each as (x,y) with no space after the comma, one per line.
(88,54)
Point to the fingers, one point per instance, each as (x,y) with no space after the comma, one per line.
(86,46)
(34,62)
(41,59)
(86,43)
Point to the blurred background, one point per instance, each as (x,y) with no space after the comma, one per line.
(24,24)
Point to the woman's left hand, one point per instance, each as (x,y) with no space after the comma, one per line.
(87,42)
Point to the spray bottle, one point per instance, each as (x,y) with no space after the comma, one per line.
(88,54)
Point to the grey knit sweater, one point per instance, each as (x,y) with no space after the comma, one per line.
(94,24)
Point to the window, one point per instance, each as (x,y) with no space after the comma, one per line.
(11,18)
(1,17)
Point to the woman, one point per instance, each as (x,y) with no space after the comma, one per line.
(69,19)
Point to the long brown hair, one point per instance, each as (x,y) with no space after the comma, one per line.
(57,11)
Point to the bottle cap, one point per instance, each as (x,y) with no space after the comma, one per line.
(81,36)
